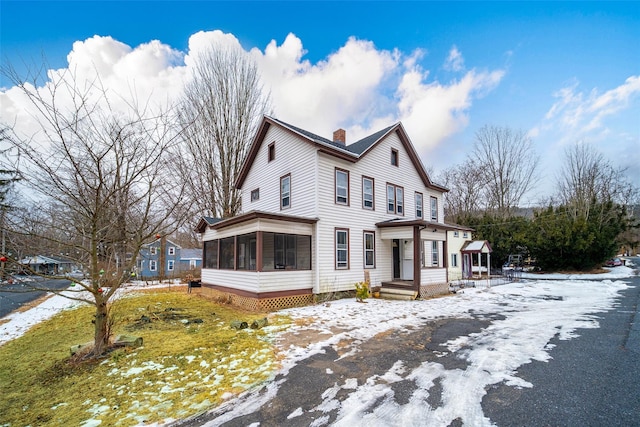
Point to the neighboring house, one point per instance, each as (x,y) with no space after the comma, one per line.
(456,240)
(318,214)
(41,264)
(165,258)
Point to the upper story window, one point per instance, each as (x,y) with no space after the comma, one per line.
(172,250)
(394,157)
(419,213)
(456,234)
(285,192)
(153,250)
(255,195)
(367,193)
(342,187)
(465,235)
(272,151)
(434,209)
(395,199)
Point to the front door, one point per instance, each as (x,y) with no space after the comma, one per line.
(396,259)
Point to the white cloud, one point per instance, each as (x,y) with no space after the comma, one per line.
(583,114)
(454,61)
(358,87)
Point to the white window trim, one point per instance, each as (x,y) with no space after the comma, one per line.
(172,250)
(170,265)
(153,265)
(434,208)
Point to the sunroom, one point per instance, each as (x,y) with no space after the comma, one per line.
(259,256)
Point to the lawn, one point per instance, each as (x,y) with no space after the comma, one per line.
(191,360)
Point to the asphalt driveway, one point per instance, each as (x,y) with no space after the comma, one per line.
(420,375)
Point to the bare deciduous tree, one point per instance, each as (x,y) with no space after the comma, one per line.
(220,110)
(587,178)
(103,183)
(466,184)
(510,164)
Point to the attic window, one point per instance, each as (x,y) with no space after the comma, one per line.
(394,157)
(255,195)
(272,151)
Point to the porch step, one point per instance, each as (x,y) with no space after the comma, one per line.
(398,294)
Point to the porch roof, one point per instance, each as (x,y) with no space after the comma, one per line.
(251,215)
(409,222)
(477,246)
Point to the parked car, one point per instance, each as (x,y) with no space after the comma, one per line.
(613,262)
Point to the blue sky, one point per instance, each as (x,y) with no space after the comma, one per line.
(564,72)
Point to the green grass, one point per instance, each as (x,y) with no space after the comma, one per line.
(181,370)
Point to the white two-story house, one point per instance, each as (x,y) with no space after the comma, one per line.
(319,213)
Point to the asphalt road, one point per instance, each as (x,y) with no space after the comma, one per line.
(16,295)
(591,380)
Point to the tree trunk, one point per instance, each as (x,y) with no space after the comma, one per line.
(102,330)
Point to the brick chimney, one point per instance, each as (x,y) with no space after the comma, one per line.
(340,136)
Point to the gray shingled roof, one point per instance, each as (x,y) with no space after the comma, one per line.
(357,147)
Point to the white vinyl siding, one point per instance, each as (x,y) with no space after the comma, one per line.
(293,157)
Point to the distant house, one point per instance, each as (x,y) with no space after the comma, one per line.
(166,258)
(456,240)
(48,265)
(321,214)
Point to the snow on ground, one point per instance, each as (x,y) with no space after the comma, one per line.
(534,311)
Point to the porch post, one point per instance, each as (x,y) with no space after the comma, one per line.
(445,257)
(416,258)
(259,251)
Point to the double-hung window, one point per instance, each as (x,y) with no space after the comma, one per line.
(434,254)
(369,249)
(419,213)
(342,248)
(170,265)
(395,199)
(172,250)
(342,187)
(434,209)
(285,192)
(153,266)
(367,193)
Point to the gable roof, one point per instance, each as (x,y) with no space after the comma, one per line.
(477,246)
(206,221)
(352,152)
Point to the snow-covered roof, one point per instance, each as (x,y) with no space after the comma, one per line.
(477,246)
